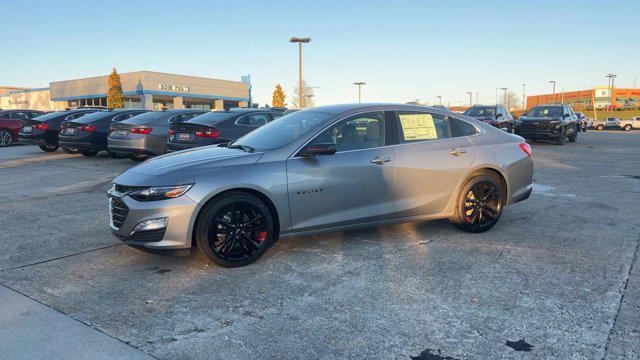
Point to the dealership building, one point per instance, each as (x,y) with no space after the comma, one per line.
(141,89)
(600,97)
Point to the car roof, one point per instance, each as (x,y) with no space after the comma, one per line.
(359,107)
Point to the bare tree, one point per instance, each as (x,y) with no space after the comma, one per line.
(307,96)
(511,101)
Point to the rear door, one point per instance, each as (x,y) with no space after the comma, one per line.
(431,159)
(355,185)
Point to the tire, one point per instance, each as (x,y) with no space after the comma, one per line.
(48,148)
(89,152)
(71,150)
(627,128)
(574,136)
(226,235)
(559,140)
(138,157)
(600,127)
(117,155)
(476,216)
(6,138)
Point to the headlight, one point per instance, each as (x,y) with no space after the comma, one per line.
(160,192)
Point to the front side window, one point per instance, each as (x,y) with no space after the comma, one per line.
(422,126)
(481,111)
(357,132)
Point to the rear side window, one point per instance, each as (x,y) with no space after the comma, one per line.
(19,115)
(463,128)
(415,127)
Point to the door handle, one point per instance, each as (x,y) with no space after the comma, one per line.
(379,160)
(456,152)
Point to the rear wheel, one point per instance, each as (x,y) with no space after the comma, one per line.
(627,128)
(89,152)
(235,230)
(138,157)
(6,138)
(70,150)
(117,155)
(600,127)
(48,148)
(479,203)
(573,137)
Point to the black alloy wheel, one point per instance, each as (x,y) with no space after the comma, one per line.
(479,203)
(235,230)
(69,150)
(573,137)
(48,148)
(6,138)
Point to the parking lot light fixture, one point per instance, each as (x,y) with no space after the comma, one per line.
(504,99)
(612,78)
(439,97)
(359,84)
(300,41)
(470,98)
(554,89)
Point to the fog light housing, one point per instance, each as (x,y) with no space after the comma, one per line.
(152,224)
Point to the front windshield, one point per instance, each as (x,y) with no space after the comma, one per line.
(284,130)
(545,111)
(478,111)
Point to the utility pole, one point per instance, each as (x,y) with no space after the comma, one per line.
(360,83)
(611,77)
(439,97)
(524,101)
(300,41)
(470,98)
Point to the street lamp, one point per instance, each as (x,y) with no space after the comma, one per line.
(439,97)
(300,41)
(612,78)
(470,98)
(359,84)
(477,102)
(554,90)
(496,96)
(524,101)
(504,99)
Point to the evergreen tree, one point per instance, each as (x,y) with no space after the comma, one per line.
(114,94)
(278,97)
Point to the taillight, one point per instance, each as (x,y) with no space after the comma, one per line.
(526,148)
(143,131)
(88,128)
(42,126)
(208,133)
(171,132)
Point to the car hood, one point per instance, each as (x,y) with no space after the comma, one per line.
(182,166)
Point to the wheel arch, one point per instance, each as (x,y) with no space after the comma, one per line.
(257,193)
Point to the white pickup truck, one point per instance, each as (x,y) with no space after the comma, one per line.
(633,123)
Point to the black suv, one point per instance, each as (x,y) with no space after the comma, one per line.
(44,130)
(89,133)
(496,116)
(552,122)
(217,127)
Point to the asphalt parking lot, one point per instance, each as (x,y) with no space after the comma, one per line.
(556,278)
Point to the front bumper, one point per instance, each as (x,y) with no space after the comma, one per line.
(174,238)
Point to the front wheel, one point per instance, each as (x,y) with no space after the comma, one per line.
(6,138)
(479,203)
(70,150)
(600,127)
(627,128)
(573,137)
(235,230)
(48,148)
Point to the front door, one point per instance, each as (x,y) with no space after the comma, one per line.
(355,185)
(431,159)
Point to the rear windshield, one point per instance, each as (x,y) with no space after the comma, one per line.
(213,117)
(95,116)
(545,111)
(147,117)
(52,115)
(478,111)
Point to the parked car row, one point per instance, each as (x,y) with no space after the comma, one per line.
(616,123)
(10,123)
(138,133)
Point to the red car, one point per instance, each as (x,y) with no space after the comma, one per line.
(10,122)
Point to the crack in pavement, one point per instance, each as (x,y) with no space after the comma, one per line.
(60,257)
(621,301)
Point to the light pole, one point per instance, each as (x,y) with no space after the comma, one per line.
(477,102)
(612,78)
(524,101)
(504,98)
(554,90)
(300,41)
(360,83)
(496,96)
(470,98)
(439,97)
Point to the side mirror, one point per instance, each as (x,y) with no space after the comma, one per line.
(318,149)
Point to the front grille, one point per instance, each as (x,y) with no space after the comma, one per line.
(118,211)
(534,125)
(148,235)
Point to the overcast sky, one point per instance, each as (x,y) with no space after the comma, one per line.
(403,50)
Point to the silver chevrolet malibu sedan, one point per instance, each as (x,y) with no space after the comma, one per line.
(322,169)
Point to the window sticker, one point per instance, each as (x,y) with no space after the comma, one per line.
(418,127)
